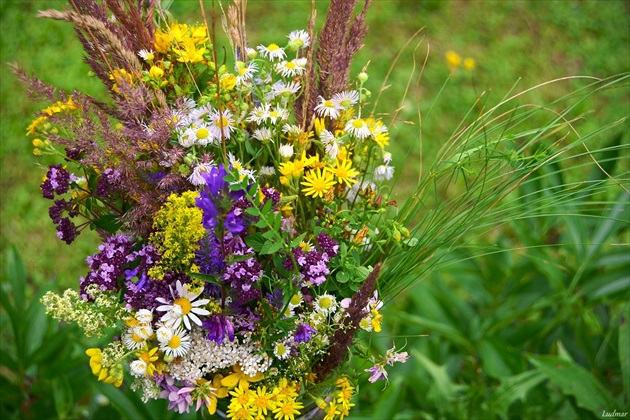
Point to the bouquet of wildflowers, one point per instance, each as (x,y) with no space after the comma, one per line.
(237,204)
(248,233)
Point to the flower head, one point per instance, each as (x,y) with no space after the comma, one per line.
(183,308)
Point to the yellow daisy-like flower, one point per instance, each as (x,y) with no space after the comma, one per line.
(344,172)
(151,358)
(239,377)
(287,409)
(263,401)
(376,320)
(238,412)
(453,59)
(317,183)
(285,390)
(189,53)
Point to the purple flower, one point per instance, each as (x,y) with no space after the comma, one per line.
(210,211)
(107,265)
(214,179)
(218,327)
(328,244)
(234,224)
(177,400)
(304,332)
(67,231)
(57,181)
(377,373)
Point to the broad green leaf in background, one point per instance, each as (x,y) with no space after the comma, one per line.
(576,381)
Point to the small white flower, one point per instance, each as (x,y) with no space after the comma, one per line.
(280,88)
(330,142)
(296,300)
(196,178)
(383,173)
(138,368)
(358,128)
(178,345)
(387,158)
(221,124)
(132,340)
(272,52)
(146,55)
(278,114)
(263,134)
(184,307)
(259,114)
(164,334)
(325,303)
(300,38)
(327,108)
(144,316)
(267,171)
(346,98)
(281,351)
(286,150)
(245,72)
(187,138)
(289,68)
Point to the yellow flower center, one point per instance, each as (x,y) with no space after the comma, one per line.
(222,122)
(243,399)
(329,104)
(203,133)
(184,304)
(295,300)
(290,65)
(325,302)
(357,123)
(175,342)
(273,47)
(137,338)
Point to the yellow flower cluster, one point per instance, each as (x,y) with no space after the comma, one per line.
(189,43)
(281,401)
(105,364)
(55,108)
(178,230)
(94,317)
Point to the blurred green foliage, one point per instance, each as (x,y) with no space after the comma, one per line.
(541,333)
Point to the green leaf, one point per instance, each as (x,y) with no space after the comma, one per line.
(574,380)
(445,387)
(298,240)
(109,223)
(16,274)
(444,330)
(62,396)
(270,247)
(498,360)
(252,211)
(514,388)
(207,278)
(342,277)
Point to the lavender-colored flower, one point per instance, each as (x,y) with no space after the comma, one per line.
(218,326)
(56,210)
(244,318)
(67,231)
(177,400)
(275,299)
(214,179)
(312,265)
(241,275)
(328,245)
(57,181)
(233,223)
(378,372)
(208,257)
(107,265)
(304,332)
(210,210)
(272,194)
(109,180)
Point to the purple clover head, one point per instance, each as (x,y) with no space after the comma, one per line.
(218,327)
(304,332)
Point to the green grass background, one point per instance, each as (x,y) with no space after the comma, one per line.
(515,44)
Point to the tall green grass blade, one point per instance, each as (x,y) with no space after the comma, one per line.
(624,351)
(512,389)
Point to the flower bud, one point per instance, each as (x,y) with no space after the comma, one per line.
(363,77)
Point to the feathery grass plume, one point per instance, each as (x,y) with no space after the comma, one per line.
(339,40)
(233,23)
(343,337)
(305,104)
(460,197)
(134,21)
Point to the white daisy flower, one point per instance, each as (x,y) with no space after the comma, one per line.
(196,178)
(184,307)
(296,300)
(281,350)
(383,173)
(346,98)
(286,150)
(330,142)
(278,113)
(358,128)
(251,53)
(259,114)
(300,38)
(221,124)
(263,134)
(317,318)
(138,368)
(301,62)
(325,304)
(281,88)
(203,135)
(366,323)
(387,158)
(327,108)
(289,68)
(272,52)
(178,345)
(146,55)
(197,115)
(135,338)
(245,72)
(164,334)
(187,138)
